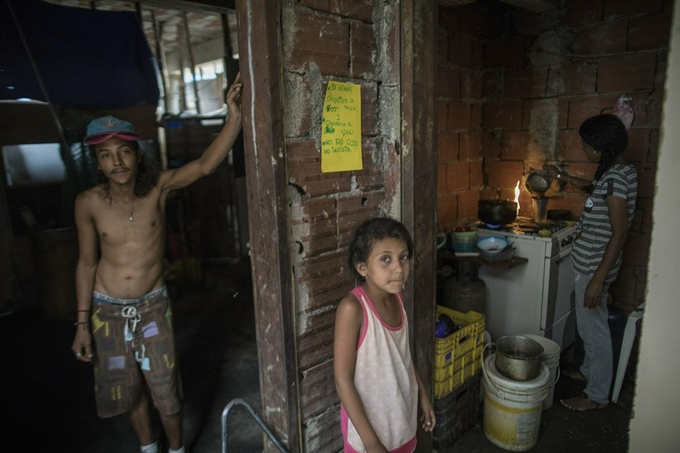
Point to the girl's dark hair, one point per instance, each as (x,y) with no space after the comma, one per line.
(371,231)
(148,172)
(607,134)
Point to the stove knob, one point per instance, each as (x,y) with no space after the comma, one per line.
(566,241)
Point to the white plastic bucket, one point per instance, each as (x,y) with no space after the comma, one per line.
(512,409)
(551,359)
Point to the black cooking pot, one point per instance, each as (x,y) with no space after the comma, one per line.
(496,212)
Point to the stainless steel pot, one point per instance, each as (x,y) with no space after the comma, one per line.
(538,182)
(518,357)
(496,212)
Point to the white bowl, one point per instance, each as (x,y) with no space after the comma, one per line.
(492,244)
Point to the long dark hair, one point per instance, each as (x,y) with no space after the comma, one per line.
(606,134)
(148,172)
(371,231)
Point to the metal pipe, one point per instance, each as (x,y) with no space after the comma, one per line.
(260,422)
(191,60)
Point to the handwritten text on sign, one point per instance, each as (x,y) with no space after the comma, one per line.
(341,128)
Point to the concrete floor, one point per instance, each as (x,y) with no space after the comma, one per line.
(47,397)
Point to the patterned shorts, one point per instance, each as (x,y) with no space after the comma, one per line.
(134,343)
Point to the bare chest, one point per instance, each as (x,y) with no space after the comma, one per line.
(118,224)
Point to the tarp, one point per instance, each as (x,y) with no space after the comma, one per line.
(86,58)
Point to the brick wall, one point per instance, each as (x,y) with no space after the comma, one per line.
(354,41)
(542,76)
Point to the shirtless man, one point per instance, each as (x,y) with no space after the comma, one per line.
(124,320)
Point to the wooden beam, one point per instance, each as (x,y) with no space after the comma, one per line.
(419,179)
(259,50)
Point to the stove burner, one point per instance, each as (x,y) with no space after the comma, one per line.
(526,225)
(491,226)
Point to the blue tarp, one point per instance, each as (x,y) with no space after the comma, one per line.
(86,58)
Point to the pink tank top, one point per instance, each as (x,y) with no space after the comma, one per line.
(386,382)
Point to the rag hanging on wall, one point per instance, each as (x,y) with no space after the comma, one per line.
(624,111)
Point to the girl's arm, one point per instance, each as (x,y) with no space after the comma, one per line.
(618,218)
(428,418)
(348,322)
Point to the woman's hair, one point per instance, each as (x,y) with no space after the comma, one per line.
(148,172)
(371,231)
(607,134)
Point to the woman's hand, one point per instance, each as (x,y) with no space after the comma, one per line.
(593,295)
(428,418)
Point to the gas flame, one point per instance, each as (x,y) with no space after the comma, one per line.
(517,196)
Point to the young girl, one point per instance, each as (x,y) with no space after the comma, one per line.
(597,250)
(374,373)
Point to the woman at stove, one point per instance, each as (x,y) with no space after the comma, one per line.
(597,250)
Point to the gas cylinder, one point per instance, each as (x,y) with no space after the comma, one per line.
(465,291)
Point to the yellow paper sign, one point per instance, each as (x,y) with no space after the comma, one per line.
(341,128)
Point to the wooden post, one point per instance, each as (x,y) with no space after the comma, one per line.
(419,178)
(259,50)
(191,60)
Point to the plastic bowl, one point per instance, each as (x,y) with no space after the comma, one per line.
(492,244)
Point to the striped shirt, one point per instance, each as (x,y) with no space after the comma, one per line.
(595,227)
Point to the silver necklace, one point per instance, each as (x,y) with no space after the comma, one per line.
(132,211)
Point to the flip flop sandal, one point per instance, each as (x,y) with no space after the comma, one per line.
(583,404)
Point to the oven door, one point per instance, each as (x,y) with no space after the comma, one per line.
(557,292)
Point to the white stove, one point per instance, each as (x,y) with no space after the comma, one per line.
(535,297)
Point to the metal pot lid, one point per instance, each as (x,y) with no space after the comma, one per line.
(538,182)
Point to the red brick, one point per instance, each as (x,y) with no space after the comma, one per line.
(571,79)
(448,147)
(641,284)
(476,174)
(630,7)
(562,113)
(515,145)
(447,211)
(525,83)
(476,115)
(356,9)
(442,115)
(449,20)
(364,50)
(636,249)
(506,53)
(470,145)
(460,51)
(581,12)
(491,145)
(459,115)
(493,26)
(477,55)
(638,145)
(635,72)
(649,32)
(570,148)
(441,179)
(319,5)
(321,40)
(471,22)
(502,115)
(601,39)
(448,82)
(467,204)
(647,217)
(503,174)
(654,107)
(653,146)
(488,193)
(580,109)
(646,175)
(369,109)
(471,84)
(457,176)
(490,83)
(442,48)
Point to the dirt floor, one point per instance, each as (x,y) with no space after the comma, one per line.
(47,397)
